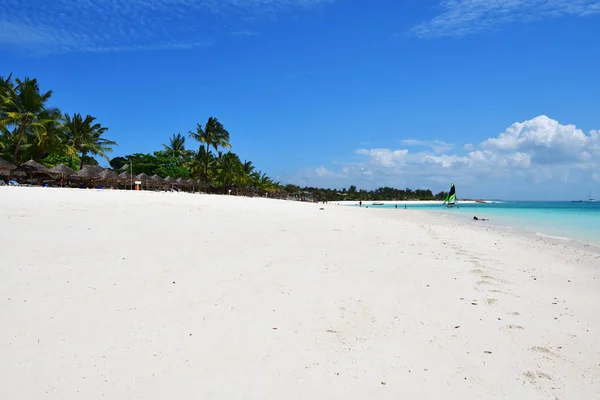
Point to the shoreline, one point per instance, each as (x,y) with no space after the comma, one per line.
(121,294)
(509,222)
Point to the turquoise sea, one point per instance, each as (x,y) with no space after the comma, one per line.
(565,220)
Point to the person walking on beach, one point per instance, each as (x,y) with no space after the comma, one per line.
(360,203)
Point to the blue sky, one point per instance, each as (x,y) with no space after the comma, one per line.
(500,96)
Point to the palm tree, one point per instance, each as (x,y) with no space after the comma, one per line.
(22,106)
(201,164)
(229,168)
(176,146)
(51,138)
(214,135)
(85,137)
(246,172)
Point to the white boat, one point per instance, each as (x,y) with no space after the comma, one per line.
(590,200)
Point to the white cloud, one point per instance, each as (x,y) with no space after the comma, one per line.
(534,151)
(438,146)
(463,17)
(126,25)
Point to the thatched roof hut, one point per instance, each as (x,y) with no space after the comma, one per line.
(142,177)
(85,174)
(62,170)
(6,167)
(95,169)
(181,181)
(125,176)
(32,166)
(169,179)
(107,175)
(201,184)
(157,179)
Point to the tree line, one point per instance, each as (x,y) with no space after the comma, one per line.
(354,194)
(30,129)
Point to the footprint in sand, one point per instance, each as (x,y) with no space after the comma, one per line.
(491,302)
(542,350)
(513,326)
(539,380)
(534,376)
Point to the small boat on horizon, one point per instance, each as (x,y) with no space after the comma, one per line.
(590,200)
(377,204)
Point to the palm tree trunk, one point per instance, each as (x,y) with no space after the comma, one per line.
(81,162)
(21,133)
(206,164)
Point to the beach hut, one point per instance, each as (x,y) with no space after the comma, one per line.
(191,183)
(170,180)
(157,181)
(144,178)
(108,176)
(62,171)
(33,169)
(6,167)
(126,179)
(87,174)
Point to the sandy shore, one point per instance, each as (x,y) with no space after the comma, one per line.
(123,295)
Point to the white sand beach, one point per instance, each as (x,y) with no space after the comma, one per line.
(141,295)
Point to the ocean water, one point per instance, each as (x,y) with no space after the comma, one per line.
(562,220)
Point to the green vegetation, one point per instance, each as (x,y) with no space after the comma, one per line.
(352,193)
(32,130)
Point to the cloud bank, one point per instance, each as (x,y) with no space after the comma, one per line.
(537,151)
(126,25)
(463,17)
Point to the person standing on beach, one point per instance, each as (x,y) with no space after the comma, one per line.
(360,203)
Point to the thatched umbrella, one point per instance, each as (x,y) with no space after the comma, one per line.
(157,179)
(181,181)
(142,177)
(32,168)
(169,179)
(201,184)
(108,175)
(126,178)
(87,174)
(6,167)
(62,170)
(95,169)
